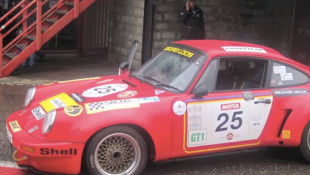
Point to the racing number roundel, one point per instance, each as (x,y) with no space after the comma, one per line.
(179,108)
(104,90)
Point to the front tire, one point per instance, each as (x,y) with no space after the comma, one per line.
(305,143)
(116,150)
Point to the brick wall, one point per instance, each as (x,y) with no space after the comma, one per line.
(266,22)
(126,25)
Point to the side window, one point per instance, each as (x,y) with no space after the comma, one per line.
(283,75)
(208,76)
(239,74)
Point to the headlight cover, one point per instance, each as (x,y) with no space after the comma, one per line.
(48,122)
(29,96)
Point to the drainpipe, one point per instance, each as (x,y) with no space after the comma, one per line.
(292,30)
(147,30)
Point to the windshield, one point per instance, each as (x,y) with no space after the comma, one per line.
(173,69)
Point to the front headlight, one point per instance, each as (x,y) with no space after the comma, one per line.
(30,95)
(48,122)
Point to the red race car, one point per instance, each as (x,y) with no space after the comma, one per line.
(193,98)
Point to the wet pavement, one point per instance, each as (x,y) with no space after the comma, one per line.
(271,161)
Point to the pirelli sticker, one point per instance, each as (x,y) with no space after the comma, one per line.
(59,101)
(97,107)
(15,126)
(179,51)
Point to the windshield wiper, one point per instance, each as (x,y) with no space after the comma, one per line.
(150,78)
(168,86)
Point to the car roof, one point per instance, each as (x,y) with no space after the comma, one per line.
(234,48)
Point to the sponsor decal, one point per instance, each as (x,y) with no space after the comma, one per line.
(230,136)
(256,121)
(179,51)
(58,101)
(38,113)
(8,133)
(127,94)
(197,138)
(33,129)
(289,92)
(157,92)
(244,49)
(73,111)
(96,107)
(52,151)
(179,108)
(230,106)
(77,97)
(279,69)
(104,81)
(286,134)
(148,99)
(248,96)
(92,78)
(15,126)
(104,90)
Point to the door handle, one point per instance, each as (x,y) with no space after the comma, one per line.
(266,101)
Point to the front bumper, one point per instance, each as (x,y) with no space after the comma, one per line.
(47,156)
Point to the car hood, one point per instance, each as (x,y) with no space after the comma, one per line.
(86,97)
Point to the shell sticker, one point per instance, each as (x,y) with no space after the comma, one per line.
(179,108)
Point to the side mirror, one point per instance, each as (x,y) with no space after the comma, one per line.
(123,65)
(201,91)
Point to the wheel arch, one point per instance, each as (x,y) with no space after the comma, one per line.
(148,139)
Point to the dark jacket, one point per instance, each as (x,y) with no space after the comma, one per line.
(193,23)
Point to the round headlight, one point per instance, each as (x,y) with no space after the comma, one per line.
(48,122)
(30,95)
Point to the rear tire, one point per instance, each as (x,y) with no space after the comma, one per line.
(116,150)
(305,143)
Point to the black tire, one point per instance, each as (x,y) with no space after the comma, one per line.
(116,150)
(305,143)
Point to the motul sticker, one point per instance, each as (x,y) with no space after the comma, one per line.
(104,90)
(230,106)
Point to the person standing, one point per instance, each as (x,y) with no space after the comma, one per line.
(192,18)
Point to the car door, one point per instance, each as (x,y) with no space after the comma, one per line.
(233,113)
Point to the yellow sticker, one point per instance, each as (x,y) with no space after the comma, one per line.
(286,134)
(180,51)
(59,101)
(73,111)
(92,78)
(15,126)
(97,107)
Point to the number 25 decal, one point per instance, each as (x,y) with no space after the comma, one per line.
(236,121)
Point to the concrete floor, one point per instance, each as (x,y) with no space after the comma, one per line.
(58,68)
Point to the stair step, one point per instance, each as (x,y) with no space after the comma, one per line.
(11,55)
(70,3)
(31,37)
(51,20)
(21,46)
(61,12)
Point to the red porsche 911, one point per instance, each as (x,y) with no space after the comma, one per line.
(193,98)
